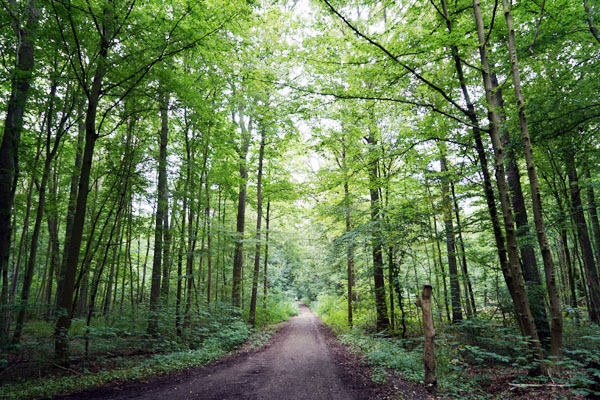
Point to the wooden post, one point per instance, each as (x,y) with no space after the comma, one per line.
(425,304)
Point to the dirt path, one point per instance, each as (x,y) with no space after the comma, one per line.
(303,361)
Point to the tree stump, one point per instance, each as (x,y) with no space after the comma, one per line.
(428,328)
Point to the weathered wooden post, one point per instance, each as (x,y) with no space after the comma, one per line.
(425,304)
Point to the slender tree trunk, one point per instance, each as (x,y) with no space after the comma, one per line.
(164,289)
(52,220)
(512,273)
(469,296)
(266,263)
(261,154)
(535,290)
(584,241)
(21,77)
(148,236)
(72,203)
(450,244)
(208,243)
(376,245)
(593,209)
(64,306)
(180,265)
(536,199)
(236,293)
(161,210)
(128,252)
(398,288)
(111,274)
(441,264)
(487,182)
(96,281)
(218,252)
(51,149)
(391,273)
(349,252)
(14,279)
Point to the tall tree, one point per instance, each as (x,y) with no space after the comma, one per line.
(536,199)
(376,241)
(238,258)
(261,155)
(25,26)
(161,210)
(450,242)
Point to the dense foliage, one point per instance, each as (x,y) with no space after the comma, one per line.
(174,174)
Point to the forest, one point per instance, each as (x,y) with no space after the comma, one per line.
(180,178)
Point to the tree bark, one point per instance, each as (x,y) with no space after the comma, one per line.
(376,243)
(450,244)
(72,203)
(350,245)
(593,210)
(469,296)
(51,149)
(531,274)
(429,329)
(536,199)
(584,240)
(21,77)
(64,306)
(161,209)
(266,263)
(238,258)
(52,221)
(261,154)
(511,270)
(487,182)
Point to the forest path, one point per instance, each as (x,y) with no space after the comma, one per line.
(302,361)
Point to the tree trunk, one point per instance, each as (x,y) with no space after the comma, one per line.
(21,77)
(441,264)
(535,290)
(261,154)
(64,306)
(350,244)
(584,241)
(208,243)
(487,185)
(593,209)
(180,263)
(266,263)
(349,254)
(161,209)
(164,288)
(376,244)
(429,329)
(113,262)
(450,244)
(238,258)
(52,220)
(511,270)
(72,203)
(469,296)
(536,199)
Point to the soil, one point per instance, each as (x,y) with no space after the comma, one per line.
(302,361)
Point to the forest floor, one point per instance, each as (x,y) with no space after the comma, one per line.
(303,360)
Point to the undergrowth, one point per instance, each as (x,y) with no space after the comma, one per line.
(474,360)
(120,350)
